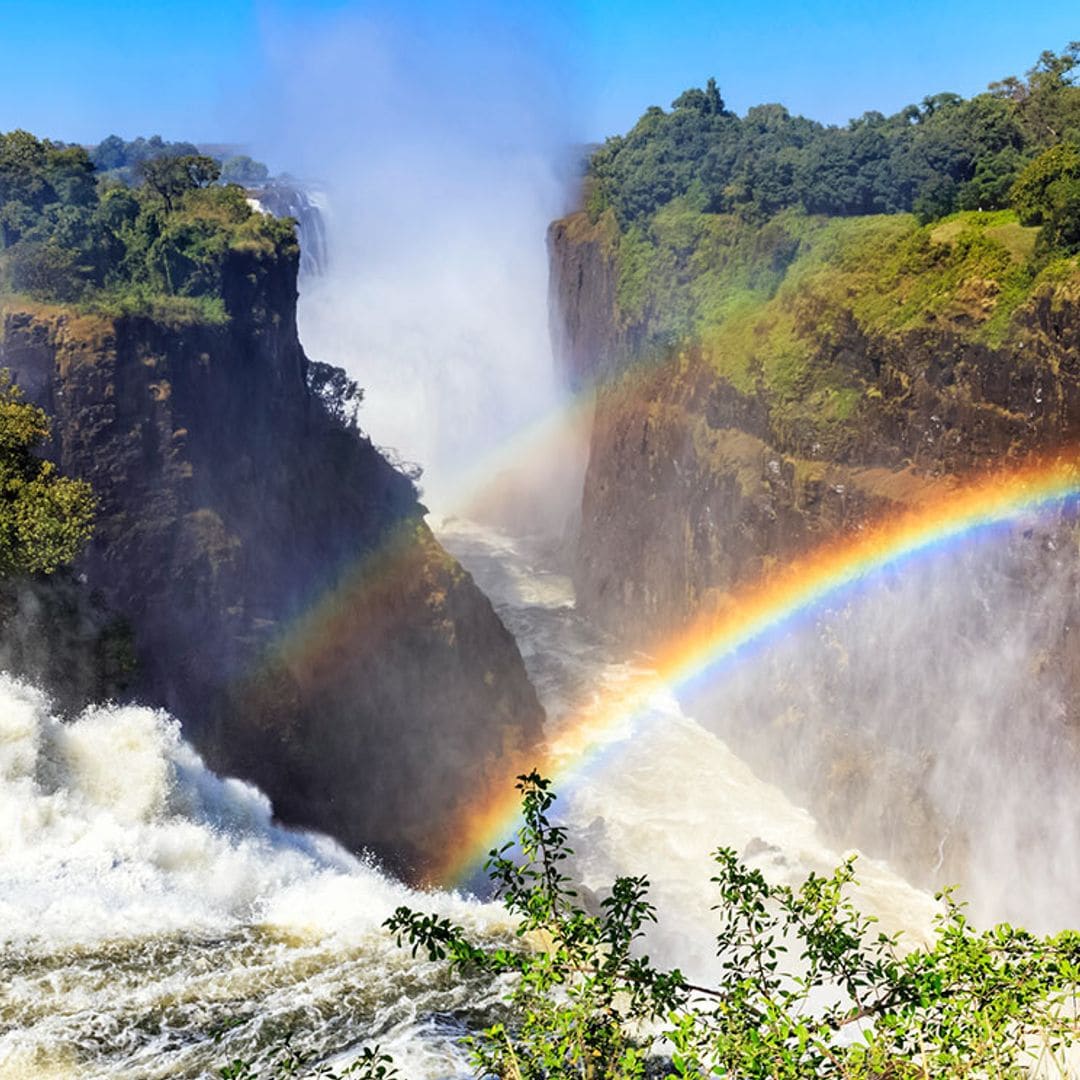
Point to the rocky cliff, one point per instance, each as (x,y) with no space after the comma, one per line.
(286,599)
(762,388)
(750,435)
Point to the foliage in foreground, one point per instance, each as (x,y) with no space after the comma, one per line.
(810,987)
(372,1064)
(45,518)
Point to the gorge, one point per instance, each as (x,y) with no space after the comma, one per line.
(281,586)
(284,691)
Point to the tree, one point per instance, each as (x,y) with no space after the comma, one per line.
(242,169)
(69,233)
(1030,195)
(22,170)
(1047,193)
(171,176)
(851,1003)
(45,518)
(713,101)
(580,1003)
(1062,229)
(109,154)
(1047,102)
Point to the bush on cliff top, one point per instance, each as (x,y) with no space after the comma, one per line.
(68,234)
(1047,193)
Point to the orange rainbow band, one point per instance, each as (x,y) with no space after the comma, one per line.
(310,644)
(996,498)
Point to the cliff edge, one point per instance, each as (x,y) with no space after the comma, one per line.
(286,599)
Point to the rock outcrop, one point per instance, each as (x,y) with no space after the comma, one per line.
(698,481)
(829,396)
(287,601)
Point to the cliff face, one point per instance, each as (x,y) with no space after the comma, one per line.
(56,633)
(704,471)
(742,419)
(287,601)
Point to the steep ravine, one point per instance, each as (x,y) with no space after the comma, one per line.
(286,599)
(699,480)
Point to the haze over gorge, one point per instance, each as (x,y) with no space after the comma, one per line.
(720,479)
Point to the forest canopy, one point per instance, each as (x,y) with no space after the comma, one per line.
(945,154)
(125,225)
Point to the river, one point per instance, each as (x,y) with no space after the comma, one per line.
(146,903)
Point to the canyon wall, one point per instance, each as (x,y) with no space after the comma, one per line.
(286,599)
(698,478)
(826,381)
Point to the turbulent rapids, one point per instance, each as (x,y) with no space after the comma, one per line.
(145,902)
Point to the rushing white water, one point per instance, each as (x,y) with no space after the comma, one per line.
(669,791)
(144,901)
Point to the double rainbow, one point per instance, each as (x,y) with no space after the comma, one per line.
(953,515)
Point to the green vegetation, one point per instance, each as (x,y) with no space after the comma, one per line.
(340,395)
(943,155)
(241,169)
(1047,193)
(786,253)
(779,308)
(70,234)
(45,518)
(810,987)
(372,1064)
(115,159)
(119,160)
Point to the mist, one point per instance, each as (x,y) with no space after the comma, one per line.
(927,719)
(931,720)
(443,146)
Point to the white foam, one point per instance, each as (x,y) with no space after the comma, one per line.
(111,827)
(144,898)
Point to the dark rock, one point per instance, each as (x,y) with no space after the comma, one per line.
(288,603)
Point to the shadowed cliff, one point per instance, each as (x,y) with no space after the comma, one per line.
(288,603)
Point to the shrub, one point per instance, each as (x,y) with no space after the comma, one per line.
(811,989)
(45,518)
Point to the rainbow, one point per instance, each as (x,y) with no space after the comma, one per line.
(311,645)
(954,514)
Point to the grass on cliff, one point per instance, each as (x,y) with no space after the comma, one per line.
(780,309)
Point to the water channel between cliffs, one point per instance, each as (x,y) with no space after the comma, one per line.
(148,900)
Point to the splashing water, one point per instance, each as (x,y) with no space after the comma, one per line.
(144,901)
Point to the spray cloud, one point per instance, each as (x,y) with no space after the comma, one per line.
(441,143)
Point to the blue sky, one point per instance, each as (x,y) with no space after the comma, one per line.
(204,69)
